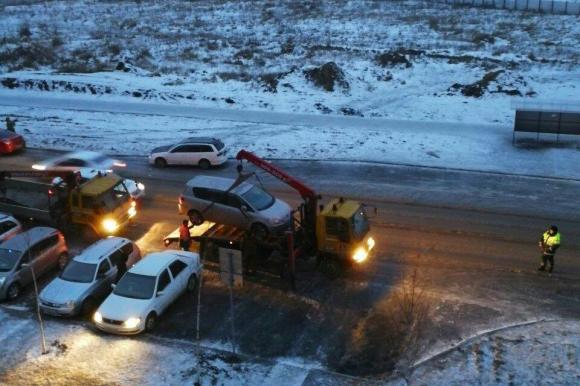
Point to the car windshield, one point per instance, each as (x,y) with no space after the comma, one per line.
(360,224)
(8,258)
(135,286)
(258,198)
(79,272)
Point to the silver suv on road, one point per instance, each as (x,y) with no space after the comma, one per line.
(246,206)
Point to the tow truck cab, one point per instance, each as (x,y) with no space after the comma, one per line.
(103,203)
(343,231)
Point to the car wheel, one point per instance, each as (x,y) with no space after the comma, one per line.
(204,164)
(259,231)
(192,283)
(62,260)
(88,307)
(195,217)
(160,162)
(13,291)
(150,322)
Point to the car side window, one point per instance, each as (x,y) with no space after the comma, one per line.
(201,193)
(164,281)
(234,201)
(72,162)
(176,267)
(43,245)
(217,196)
(6,226)
(338,227)
(205,149)
(184,149)
(127,249)
(104,267)
(117,257)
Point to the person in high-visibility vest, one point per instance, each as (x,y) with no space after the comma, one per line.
(184,235)
(549,244)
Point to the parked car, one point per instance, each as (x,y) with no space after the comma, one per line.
(146,290)
(9,227)
(246,206)
(40,248)
(87,278)
(11,142)
(195,151)
(80,159)
(136,189)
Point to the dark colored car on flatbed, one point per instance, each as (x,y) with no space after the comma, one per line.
(11,142)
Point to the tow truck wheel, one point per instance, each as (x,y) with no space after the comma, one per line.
(13,291)
(150,322)
(160,162)
(62,260)
(331,268)
(259,231)
(195,217)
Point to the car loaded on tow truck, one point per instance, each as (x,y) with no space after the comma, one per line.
(338,234)
(101,204)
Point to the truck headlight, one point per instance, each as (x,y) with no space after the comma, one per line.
(97,317)
(110,225)
(360,255)
(140,186)
(132,211)
(370,243)
(131,322)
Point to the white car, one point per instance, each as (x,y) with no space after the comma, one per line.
(9,227)
(146,290)
(136,189)
(196,151)
(80,159)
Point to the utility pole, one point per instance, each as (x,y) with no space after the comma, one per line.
(30,265)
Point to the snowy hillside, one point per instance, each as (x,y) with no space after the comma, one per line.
(396,59)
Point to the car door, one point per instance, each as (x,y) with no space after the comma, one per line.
(44,254)
(132,251)
(179,272)
(179,155)
(163,295)
(106,274)
(233,208)
(207,152)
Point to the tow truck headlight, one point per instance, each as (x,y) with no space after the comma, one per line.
(370,243)
(38,167)
(360,255)
(131,322)
(132,211)
(140,186)
(97,317)
(110,225)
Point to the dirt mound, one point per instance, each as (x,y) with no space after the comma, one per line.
(398,57)
(490,79)
(327,76)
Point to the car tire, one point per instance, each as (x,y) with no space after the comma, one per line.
(195,217)
(204,164)
(150,322)
(192,284)
(13,291)
(160,162)
(259,231)
(88,307)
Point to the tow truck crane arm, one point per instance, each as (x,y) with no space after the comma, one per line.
(70,177)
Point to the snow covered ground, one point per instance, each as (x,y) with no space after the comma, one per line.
(78,354)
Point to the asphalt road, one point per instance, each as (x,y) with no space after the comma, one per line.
(469,238)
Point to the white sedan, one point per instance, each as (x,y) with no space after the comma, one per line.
(146,290)
(9,227)
(80,159)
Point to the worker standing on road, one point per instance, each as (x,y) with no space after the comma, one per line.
(11,124)
(549,243)
(184,235)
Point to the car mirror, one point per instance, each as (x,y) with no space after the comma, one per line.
(113,286)
(160,293)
